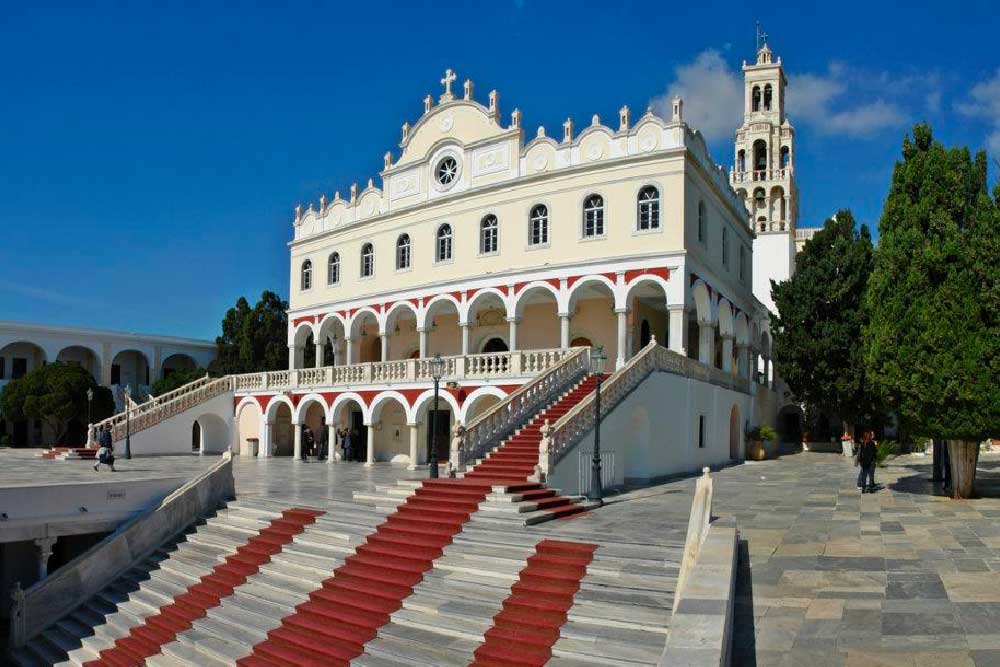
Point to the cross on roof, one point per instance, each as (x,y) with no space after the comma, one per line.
(449,77)
(761,36)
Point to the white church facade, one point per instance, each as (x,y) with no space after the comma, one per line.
(503,253)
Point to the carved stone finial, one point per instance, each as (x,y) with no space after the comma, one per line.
(595,120)
(371,183)
(298,212)
(310,210)
(387,159)
(652,339)
(568,130)
(623,118)
(428,103)
(649,109)
(336,196)
(322,202)
(406,131)
(515,119)
(678,109)
(354,192)
(449,78)
(541,131)
(494,103)
(469,89)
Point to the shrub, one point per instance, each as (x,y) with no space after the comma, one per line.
(884,450)
(762,433)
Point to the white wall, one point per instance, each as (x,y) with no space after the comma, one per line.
(773,259)
(654,432)
(173,435)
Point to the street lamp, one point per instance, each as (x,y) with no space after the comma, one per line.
(437,370)
(90,398)
(596,492)
(128,421)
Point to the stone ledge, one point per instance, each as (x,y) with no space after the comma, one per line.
(701,629)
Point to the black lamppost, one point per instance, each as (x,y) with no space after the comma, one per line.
(437,370)
(128,422)
(90,398)
(596,493)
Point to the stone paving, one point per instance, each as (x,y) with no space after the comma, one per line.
(21,467)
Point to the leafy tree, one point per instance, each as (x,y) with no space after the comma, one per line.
(933,341)
(253,339)
(817,330)
(177,378)
(57,395)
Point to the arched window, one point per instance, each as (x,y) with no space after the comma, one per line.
(593,216)
(767,97)
(539,234)
(760,160)
(307,274)
(725,247)
(403,252)
(649,208)
(333,269)
(760,198)
(786,155)
(702,222)
(367,260)
(489,235)
(443,243)
(741,161)
(756,98)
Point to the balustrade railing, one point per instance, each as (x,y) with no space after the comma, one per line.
(560,437)
(486,431)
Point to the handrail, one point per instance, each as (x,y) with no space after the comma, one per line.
(483,432)
(698,522)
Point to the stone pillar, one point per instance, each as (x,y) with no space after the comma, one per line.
(767,372)
(563,330)
(350,351)
(297,441)
(727,353)
(423,341)
(106,361)
(370,460)
(414,442)
(678,329)
(512,321)
(291,357)
(44,547)
(706,343)
(622,337)
(465,337)
(385,346)
(319,355)
(331,442)
(156,372)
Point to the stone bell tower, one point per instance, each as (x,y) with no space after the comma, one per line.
(763,173)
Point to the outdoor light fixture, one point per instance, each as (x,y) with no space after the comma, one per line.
(128,421)
(437,370)
(597,359)
(90,398)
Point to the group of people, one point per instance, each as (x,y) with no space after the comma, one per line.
(319,445)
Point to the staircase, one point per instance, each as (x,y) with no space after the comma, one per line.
(67,453)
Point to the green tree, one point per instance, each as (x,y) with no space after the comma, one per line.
(817,330)
(253,339)
(933,340)
(57,395)
(176,379)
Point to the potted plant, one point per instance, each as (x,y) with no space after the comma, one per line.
(757,436)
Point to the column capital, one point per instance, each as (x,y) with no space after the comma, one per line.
(727,336)
(621,311)
(514,320)
(674,307)
(563,314)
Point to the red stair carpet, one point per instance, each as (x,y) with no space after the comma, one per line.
(161,628)
(334,625)
(527,627)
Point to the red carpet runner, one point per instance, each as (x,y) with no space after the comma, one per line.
(334,625)
(524,632)
(161,628)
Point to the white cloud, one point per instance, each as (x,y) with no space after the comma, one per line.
(984,102)
(712,93)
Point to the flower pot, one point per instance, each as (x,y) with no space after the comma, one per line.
(756,450)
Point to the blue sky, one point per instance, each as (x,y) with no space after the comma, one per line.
(153,152)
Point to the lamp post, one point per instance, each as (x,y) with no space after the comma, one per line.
(437,370)
(90,424)
(596,492)
(128,421)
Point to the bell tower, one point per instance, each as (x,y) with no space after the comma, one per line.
(763,172)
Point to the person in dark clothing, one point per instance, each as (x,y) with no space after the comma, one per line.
(866,459)
(324,441)
(307,441)
(106,452)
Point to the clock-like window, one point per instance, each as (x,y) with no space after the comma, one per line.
(447,171)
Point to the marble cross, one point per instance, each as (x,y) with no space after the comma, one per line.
(449,78)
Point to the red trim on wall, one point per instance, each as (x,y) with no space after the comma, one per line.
(635,273)
(263,400)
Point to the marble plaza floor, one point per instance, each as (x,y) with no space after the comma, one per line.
(22,467)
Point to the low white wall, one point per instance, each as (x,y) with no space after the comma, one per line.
(653,433)
(173,435)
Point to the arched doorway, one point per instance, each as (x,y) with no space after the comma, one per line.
(495,344)
(281,432)
(196,437)
(248,418)
(581,341)
(735,436)
(177,362)
(644,334)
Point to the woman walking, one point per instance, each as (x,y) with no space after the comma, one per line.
(866,459)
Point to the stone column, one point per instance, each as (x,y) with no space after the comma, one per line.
(414,442)
(423,341)
(564,330)
(106,361)
(297,440)
(706,343)
(264,446)
(319,355)
(678,329)
(385,346)
(370,460)
(331,442)
(727,353)
(44,547)
(512,321)
(350,351)
(291,357)
(622,333)
(465,337)
(767,372)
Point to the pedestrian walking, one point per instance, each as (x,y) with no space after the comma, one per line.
(307,441)
(867,454)
(324,441)
(106,452)
(345,441)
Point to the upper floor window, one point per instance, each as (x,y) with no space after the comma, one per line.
(539,225)
(444,243)
(403,252)
(786,155)
(756,98)
(702,222)
(333,269)
(593,216)
(649,208)
(307,274)
(489,232)
(725,247)
(447,171)
(367,260)
(767,97)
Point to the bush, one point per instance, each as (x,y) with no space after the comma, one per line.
(884,450)
(763,433)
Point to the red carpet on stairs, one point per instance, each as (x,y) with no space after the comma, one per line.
(333,626)
(527,627)
(161,628)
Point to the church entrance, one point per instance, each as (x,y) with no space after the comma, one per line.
(495,344)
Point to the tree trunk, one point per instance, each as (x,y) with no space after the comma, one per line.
(936,474)
(964,456)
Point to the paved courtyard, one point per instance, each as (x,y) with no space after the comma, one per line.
(22,467)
